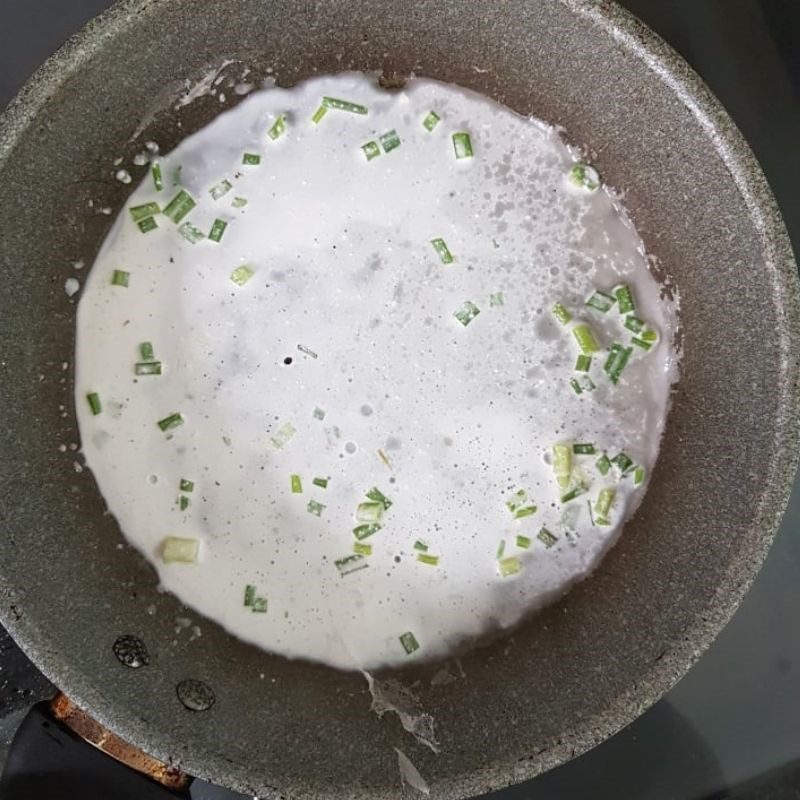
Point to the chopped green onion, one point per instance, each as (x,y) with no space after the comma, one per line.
(251,159)
(378,496)
(462,144)
(623,462)
(584,449)
(321,482)
(319,413)
(425,558)
(296,483)
(604,501)
(221,189)
(634,324)
(496,299)
(283,436)
(603,464)
(315,508)
(148,224)
(371,150)
(350,564)
(583,364)
(466,313)
(179,206)
(585,177)
(442,250)
(249,595)
(561,314)
(390,141)
(183,502)
(120,278)
(617,359)
(93,399)
(217,230)
(585,384)
(577,491)
(509,566)
(420,545)
(144,211)
(307,350)
(625,300)
(641,343)
(501,549)
(362,549)
(148,368)
(239,202)
(186,485)
(409,642)
(523,542)
(370,512)
(318,115)
(175,549)
(546,538)
(516,505)
(520,513)
(431,121)
(191,233)
(600,301)
(638,476)
(146,349)
(562,464)
(158,178)
(343,105)
(649,336)
(259,605)
(586,339)
(278,128)
(242,274)
(366,530)
(171,422)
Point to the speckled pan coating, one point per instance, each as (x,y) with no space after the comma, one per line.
(573,675)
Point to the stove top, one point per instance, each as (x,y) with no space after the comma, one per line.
(731,728)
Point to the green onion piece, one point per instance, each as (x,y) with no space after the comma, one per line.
(523,542)
(638,476)
(283,436)
(148,368)
(649,336)
(561,314)
(251,159)
(584,384)
(603,464)
(431,121)
(562,464)
(496,299)
(171,422)
(371,150)
(583,364)
(604,501)
(527,511)
(242,274)
(315,508)
(625,299)
(366,530)
(191,233)
(318,115)
(146,349)
(183,502)
(573,493)
(319,413)
(409,642)
(343,105)
(93,399)
(600,301)
(370,512)
(259,605)
(466,313)
(120,278)
(586,339)
(617,359)
(221,189)
(634,324)
(584,449)
(585,177)
(278,128)
(158,178)
(307,350)
(420,545)
(641,343)
(350,564)
(517,500)
(175,549)
(179,206)
(321,482)
(362,549)
(147,225)
(442,250)
(462,144)
(249,595)
(501,549)
(546,538)
(376,495)
(426,558)
(297,484)
(509,566)
(623,462)
(217,230)
(239,202)
(144,211)
(186,485)
(390,141)
(601,521)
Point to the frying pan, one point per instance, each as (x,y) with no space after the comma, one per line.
(71,589)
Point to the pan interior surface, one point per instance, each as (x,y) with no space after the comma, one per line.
(72,589)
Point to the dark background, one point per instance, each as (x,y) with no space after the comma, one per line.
(731,728)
